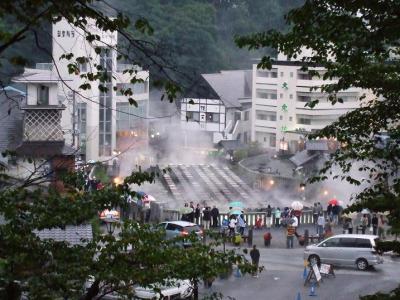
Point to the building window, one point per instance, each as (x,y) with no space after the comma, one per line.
(290,119)
(246,115)
(281,117)
(105,104)
(272,140)
(282,74)
(136,88)
(291,74)
(43,95)
(304,121)
(212,117)
(265,115)
(281,96)
(83,67)
(81,118)
(265,139)
(273,73)
(128,116)
(266,94)
(192,116)
(291,96)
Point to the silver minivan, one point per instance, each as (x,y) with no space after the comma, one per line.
(345,250)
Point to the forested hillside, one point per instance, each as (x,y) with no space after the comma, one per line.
(195,36)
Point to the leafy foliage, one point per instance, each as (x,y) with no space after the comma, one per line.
(138,255)
(358,44)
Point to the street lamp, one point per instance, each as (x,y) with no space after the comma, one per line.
(110,224)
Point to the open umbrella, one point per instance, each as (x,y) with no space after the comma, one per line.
(235,212)
(109,214)
(365,211)
(333,202)
(185,210)
(237,204)
(297,205)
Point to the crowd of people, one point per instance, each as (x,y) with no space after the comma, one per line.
(209,216)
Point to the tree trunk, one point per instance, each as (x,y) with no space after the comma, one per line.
(13,291)
(92,291)
(195,290)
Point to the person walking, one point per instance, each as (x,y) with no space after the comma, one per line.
(277,214)
(364,223)
(374,223)
(268,219)
(215,216)
(255,259)
(242,224)
(290,231)
(206,218)
(197,212)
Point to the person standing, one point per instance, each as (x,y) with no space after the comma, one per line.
(335,214)
(197,212)
(206,218)
(242,224)
(328,227)
(268,219)
(290,231)
(350,227)
(374,223)
(215,216)
(232,225)
(295,224)
(320,225)
(315,215)
(364,223)
(329,212)
(381,227)
(277,217)
(255,259)
(191,214)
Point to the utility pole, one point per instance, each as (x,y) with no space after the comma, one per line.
(73,119)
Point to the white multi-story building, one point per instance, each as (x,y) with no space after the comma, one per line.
(280,118)
(98,123)
(220,105)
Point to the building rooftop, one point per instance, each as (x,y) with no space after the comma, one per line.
(39,75)
(72,234)
(44,149)
(228,86)
(11,99)
(231,86)
(302,157)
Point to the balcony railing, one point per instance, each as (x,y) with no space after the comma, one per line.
(123,67)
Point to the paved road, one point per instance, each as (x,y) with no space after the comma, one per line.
(283,279)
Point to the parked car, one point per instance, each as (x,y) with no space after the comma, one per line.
(175,229)
(177,289)
(346,250)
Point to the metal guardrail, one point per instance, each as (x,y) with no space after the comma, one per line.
(250,217)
